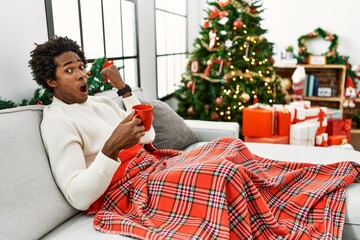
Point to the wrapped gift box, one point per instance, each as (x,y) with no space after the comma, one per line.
(317,115)
(337,140)
(333,113)
(276,139)
(321,140)
(301,104)
(303,133)
(283,122)
(258,121)
(297,113)
(340,127)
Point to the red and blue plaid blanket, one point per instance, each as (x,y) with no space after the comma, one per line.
(223,191)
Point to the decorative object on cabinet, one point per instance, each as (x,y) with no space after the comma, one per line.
(330,77)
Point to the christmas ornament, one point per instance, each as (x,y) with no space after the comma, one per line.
(194,66)
(206,24)
(228,43)
(212,37)
(245,97)
(238,23)
(223,14)
(223,20)
(214,12)
(215,116)
(218,101)
(224,3)
(189,84)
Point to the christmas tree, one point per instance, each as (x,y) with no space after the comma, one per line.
(96,82)
(231,66)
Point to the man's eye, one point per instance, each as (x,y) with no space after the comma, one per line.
(82,68)
(68,70)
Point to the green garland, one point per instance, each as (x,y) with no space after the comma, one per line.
(95,81)
(332,56)
(304,54)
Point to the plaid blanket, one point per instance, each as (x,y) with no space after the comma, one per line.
(223,191)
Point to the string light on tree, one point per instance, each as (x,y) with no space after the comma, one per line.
(233,64)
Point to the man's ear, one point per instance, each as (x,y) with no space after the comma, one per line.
(52,83)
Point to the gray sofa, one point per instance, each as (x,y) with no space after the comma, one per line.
(34,208)
(32,205)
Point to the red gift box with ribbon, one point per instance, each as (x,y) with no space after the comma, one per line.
(283,122)
(258,121)
(340,127)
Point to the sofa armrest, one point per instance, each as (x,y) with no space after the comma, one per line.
(209,130)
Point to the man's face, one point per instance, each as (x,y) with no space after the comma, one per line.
(70,85)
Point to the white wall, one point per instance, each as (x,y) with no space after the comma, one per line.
(287,20)
(23,23)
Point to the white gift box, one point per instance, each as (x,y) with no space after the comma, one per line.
(302,103)
(312,115)
(333,113)
(303,133)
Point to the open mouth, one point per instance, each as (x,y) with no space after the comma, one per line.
(84,88)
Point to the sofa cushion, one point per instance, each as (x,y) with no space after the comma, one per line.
(32,204)
(171,130)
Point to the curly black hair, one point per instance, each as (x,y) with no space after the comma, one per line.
(42,59)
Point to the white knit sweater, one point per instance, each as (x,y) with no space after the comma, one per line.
(74,135)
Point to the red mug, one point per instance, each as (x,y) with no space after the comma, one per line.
(145,113)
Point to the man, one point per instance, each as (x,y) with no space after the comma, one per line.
(217,191)
(82,134)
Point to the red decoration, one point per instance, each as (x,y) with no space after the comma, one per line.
(89,73)
(212,36)
(215,116)
(238,23)
(39,103)
(224,3)
(218,101)
(223,14)
(190,84)
(214,12)
(206,24)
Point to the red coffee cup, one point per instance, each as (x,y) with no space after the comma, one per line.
(145,113)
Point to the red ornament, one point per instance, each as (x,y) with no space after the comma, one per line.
(223,14)
(39,103)
(89,73)
(215,116)
(224,3)
(206,24)
(189,84)
(218,101)
(214,12)
(238,23)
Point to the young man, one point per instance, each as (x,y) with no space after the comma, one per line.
(217,191)
(82,134)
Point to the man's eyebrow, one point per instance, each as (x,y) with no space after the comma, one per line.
(69,62)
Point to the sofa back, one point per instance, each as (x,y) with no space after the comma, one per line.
(31,203)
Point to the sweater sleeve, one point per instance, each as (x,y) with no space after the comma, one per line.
(81,185)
